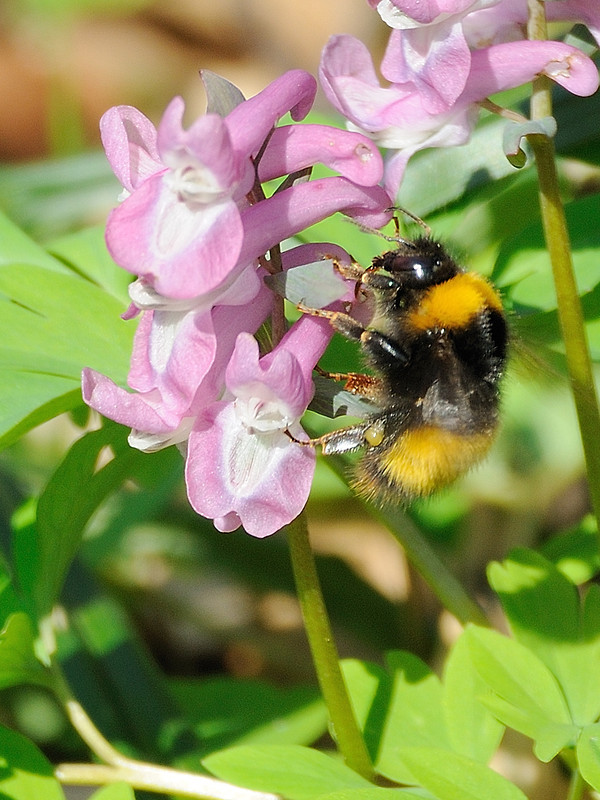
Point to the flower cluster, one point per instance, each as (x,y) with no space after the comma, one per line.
(443,58)
(197,222)
(194,226)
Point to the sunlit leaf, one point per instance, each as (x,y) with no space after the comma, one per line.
(298,773)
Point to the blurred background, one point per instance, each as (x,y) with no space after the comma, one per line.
(80,58)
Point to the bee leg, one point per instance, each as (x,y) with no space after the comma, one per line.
(344,440)
(356,382)
(381,347)
(343,323)
(352,271)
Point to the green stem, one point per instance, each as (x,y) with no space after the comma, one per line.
(446,587)
(138,774)
(570,313)
(577,786)
(324,652)
(432,569)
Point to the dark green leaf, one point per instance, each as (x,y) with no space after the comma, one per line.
(523,267)
(543,609)
(85,253)
(25,774)
(52,324)
(298,773)
(576,553)
(45,551)
(47,198)
(437,177)
(226,711)
(18,663)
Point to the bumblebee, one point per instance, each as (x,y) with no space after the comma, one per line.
(437,346)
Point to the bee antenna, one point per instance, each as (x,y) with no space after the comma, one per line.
(397,238)
(412,216)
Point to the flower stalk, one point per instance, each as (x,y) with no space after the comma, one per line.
(324,652)
(570,313)
(138,774)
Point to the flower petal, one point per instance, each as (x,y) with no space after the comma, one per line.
(265,481)
(141,411)
(435,60)
(294,147)
(250,123)
(179,252)
(288,212)
(510,64)
(129,139)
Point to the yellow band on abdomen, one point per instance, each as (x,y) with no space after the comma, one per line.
(454,303)
(424,459)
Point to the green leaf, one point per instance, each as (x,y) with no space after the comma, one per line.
(10,602)
(525,695)
(52,324)
(116,791)
(85,253)
(544,612)
(576,553)
(298,773)
(523,268)
(472,729)
(588,755)
(453,171)
(25,774)
(375,793)
(397,707)
(44,551)
(18,663)
(226,711)
(51,196)
(451,776)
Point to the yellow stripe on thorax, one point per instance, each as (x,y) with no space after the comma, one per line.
(454,303)
(424,459)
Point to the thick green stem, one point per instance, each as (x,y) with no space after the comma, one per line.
(446,587)
(432,569)
(570,313)
(324,652)
(577,786)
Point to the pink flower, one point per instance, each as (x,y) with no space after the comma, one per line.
(410,13)
(506,20)
(180,225)
(427,50)
(242,468)
(177,367)
(397,118)
(193,226)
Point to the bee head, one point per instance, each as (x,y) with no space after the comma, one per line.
(418,264)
